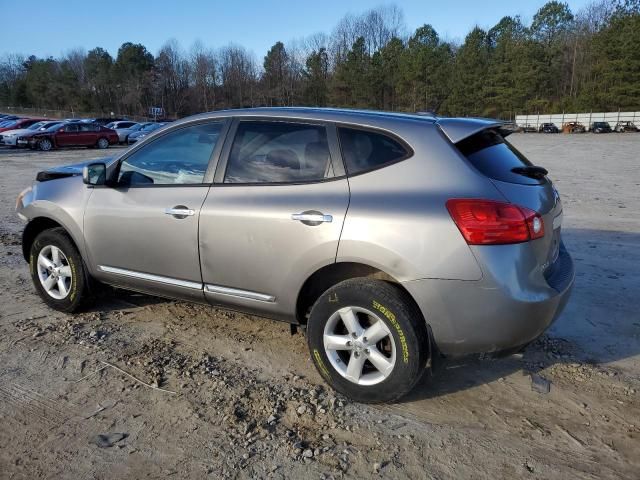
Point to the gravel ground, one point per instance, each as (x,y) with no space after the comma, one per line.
(241,399)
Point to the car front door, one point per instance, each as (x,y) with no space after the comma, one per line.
(273,216)
(142,232)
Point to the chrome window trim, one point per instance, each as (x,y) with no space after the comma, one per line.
(150,277)
(235,292)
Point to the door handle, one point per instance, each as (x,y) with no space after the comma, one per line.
(312,218)
(180,211)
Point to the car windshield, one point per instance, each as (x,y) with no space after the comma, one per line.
(36,125)
(151,127)
(54,126)
(10,123)
(48,125)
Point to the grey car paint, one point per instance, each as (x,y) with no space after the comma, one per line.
(124,132)
(241,248)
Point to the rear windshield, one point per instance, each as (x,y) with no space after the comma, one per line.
(490,153)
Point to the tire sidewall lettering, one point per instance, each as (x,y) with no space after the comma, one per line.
(391,317)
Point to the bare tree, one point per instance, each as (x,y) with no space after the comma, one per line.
(238,72)
(204,74)
(173,71)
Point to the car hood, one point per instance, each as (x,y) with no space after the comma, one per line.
(70,170)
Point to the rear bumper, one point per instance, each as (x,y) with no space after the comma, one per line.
(509,307)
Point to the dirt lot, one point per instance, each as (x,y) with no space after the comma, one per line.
(249,404)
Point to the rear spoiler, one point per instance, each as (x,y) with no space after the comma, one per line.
(457,129)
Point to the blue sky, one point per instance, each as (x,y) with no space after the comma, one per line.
(54,27)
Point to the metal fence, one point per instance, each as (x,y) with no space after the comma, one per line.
(47,113)
(586,119)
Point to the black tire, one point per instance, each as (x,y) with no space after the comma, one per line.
(78,292)
(404,321)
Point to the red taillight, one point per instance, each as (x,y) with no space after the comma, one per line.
(488,222)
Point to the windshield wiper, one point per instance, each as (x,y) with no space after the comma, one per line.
(532,171)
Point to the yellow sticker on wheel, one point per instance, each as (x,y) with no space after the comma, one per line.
(392,319)
(74,276)
(320,363)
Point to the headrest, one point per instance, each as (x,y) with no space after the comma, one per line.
(283,157)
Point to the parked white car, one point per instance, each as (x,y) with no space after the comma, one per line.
(123,128)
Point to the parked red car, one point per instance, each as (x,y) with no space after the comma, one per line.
(19,123)
(74,135)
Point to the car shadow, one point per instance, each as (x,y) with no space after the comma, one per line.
(110,299)
(599,324)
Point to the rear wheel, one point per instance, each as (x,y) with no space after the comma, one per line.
(57,271)
(368,340)
(102,143)
(45,145)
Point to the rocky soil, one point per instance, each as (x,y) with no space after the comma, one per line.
(145,387)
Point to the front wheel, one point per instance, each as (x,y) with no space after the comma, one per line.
(368,340)
(57,271)
(45,145)
(102,143)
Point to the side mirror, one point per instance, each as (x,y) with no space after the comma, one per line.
(94,174)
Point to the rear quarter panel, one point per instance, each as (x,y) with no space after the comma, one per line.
(397,220)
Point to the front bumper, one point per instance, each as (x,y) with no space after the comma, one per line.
(509,307)
(9,141)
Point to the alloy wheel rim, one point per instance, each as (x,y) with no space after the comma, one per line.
(102,143)
(54,272)
(45,145)
(359,346)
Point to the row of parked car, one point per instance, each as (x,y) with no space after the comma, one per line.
(46,134)
(577,127)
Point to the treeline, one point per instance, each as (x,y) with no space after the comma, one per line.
(561,61)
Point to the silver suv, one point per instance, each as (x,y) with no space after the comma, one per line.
(388,237)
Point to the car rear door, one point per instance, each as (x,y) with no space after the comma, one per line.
(88,135)
(142,232)
(274,214)
(69,135)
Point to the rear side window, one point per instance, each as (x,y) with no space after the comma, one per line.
(278,152)
(490,153)
(364,150)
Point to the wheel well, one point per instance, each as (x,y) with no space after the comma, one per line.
(330,275)
(33,228)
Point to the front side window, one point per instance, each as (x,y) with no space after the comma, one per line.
(278,152)
(71,128)
(364,150)
(179,157)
